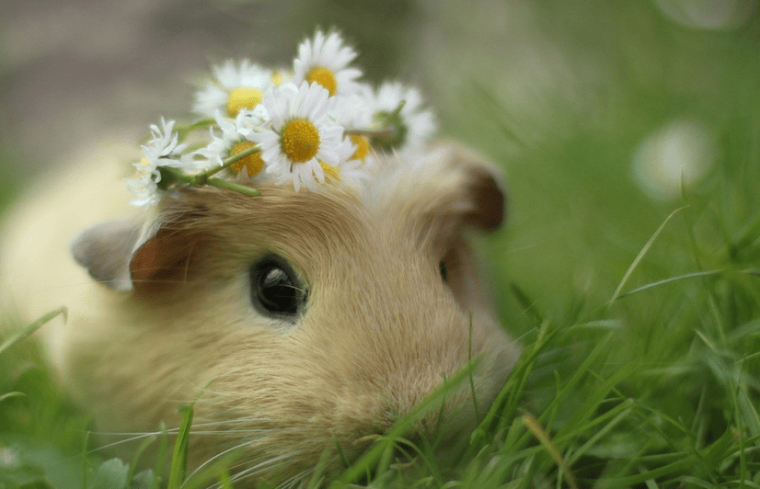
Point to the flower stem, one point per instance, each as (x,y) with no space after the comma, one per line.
(371,133)
(393,131)
(171,175)
(392,116)
(183,131)
(202,178)
(218,182)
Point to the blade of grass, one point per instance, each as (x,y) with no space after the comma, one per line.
(749,412)
(85,445)
(620,412)
(583,413)
(472,381)
(341,454)
(681,466)
(669,280)
(568,390)
(543,437)
(713,454)
(215,470)
(526,303)
(508,398)
(640,256)
(317,478)
(224,480)
(582,371)
(179,456)
(31,328)
(747,234)
(689,481)
(10,395)
(136,457)
(163,449)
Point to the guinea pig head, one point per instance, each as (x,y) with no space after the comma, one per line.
(315,318)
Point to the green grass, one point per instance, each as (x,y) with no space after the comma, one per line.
(640,318)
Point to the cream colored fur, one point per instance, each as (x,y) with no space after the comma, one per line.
(380,331)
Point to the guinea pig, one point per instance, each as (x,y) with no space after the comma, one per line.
(311,318)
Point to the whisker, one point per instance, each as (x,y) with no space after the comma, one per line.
(174,430)
(260,467)
(122,442)
(221,454)
(134,436)
(296,480)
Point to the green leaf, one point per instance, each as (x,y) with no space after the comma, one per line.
(112,474)
(142,480)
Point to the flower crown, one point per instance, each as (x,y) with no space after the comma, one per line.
(313,125)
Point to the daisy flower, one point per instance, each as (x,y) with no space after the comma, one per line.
(355,112)
(324,60)
(349,169)
(301,135)
(244,133)
(234,87)
(414,125)
(163,149)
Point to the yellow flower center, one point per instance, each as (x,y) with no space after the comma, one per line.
(300,140)
(276,78)
(362,146)
(243,98)
(253,162)
(324,77)
(331,172)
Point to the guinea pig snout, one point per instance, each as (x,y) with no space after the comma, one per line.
(398,367)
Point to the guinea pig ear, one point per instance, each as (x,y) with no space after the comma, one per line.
(483,187)
(105,250)
(126,255)
(162,259)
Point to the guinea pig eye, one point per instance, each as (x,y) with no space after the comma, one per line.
(444,271)
(275,289)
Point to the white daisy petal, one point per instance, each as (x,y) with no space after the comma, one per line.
(161,150)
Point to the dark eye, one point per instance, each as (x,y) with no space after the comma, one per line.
(276,291)
(444,271)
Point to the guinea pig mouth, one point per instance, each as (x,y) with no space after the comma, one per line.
(407,452)
(404,455)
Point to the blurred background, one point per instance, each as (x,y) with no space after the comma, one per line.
(606,116)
